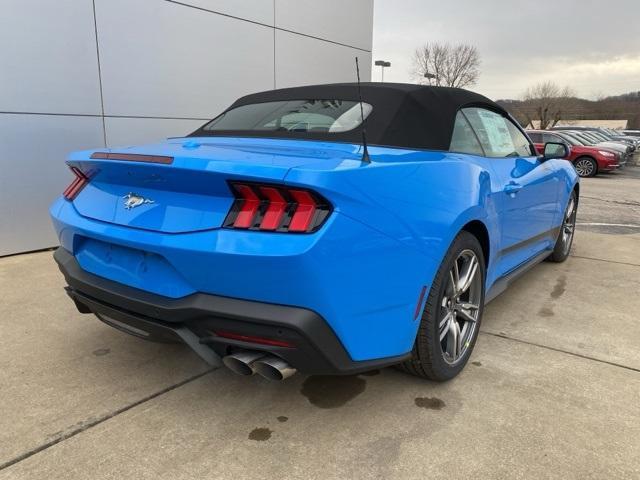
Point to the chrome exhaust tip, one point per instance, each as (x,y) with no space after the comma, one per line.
(273,368)
(242,362)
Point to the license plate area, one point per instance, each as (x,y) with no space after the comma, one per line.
(136,268)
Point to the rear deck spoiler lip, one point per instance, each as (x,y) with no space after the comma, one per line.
(132,157)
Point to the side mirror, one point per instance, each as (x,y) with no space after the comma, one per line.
(555,150)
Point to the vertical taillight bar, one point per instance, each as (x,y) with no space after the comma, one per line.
(304,213)
(277,205)
(249,207)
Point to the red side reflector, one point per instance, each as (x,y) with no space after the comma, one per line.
(304,213)
(252,339)
(419,304)
(277,206)
(249,208)
(77,185)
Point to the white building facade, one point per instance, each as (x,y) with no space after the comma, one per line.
(79,74)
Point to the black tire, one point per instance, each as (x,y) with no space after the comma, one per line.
(562,248)
(586,167)
(427,357)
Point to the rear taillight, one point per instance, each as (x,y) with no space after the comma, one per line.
(274,208)
(77,185)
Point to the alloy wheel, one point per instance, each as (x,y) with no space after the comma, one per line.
(460,307)
(569,225)
(584,167)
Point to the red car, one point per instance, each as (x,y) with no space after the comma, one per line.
(587,160)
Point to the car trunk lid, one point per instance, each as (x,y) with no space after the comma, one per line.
(182,185)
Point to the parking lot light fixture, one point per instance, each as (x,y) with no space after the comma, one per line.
(382,64)
(430,76)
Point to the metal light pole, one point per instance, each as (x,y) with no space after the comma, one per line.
(382,64)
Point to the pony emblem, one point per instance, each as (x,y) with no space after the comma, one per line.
(131,200)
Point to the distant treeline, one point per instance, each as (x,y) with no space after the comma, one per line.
(620,107)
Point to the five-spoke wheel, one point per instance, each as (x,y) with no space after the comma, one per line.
(460,306)
(451,318)
(567,229)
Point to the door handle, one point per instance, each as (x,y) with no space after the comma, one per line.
(512,188)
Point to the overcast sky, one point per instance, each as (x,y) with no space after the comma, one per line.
(593,49)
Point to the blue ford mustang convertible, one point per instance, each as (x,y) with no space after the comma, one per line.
(319,229)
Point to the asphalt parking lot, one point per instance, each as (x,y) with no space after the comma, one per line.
(552,389)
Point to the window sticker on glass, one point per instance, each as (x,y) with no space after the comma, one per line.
(497,132)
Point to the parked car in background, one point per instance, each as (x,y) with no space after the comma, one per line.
(616,135)
(601,137)
(619,138)
(587,160)
(586,139)
(602,134)
(273,238)
(633,133)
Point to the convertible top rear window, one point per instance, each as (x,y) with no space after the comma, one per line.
(326,116)
(397,115)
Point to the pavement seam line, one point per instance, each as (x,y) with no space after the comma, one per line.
(617,202)
(559,350)
(606,261)
(98,421)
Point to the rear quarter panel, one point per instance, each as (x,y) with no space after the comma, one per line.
(421,199)
(414,203)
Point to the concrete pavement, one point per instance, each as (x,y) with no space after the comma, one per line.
(518,411)
(610,203)
(551,390)
(61,371)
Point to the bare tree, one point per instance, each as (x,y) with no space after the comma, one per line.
(619,107)
(547,102)
(446,65)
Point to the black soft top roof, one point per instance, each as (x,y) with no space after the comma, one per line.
(403,115)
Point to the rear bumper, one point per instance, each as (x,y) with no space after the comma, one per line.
(195,318)
(354,277)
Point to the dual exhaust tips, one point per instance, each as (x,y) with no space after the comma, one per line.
(247,362)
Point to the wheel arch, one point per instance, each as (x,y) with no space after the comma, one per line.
(480,231)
